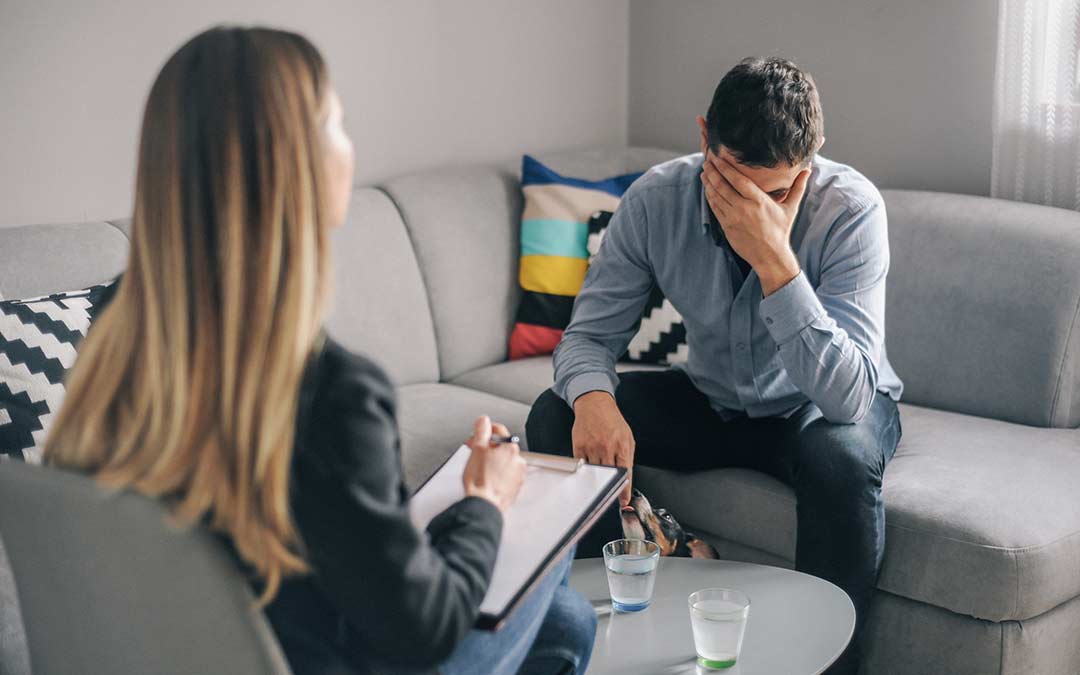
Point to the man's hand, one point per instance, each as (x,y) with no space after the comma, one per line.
(602,436)
(757,226)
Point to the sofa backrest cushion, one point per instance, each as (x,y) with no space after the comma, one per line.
(380,304)
(42,259)
(464,228)
(982,301)
(465,225)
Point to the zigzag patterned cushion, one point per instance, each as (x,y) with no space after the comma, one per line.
(554,257)
(38,340)
(561,228)
(661,336)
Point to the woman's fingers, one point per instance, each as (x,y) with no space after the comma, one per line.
(482,431)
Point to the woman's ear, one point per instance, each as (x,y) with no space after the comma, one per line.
(704,133)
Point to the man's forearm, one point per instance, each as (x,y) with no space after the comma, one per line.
(583,365)
(607,309)
(820,357)
(778,272)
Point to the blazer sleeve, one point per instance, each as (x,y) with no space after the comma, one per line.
(408,596)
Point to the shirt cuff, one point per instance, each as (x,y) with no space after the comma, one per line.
(584,383)
(791,309)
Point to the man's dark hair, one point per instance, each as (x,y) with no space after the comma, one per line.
(766,112)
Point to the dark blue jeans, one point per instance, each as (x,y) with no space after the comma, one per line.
(552,633)
(835,470)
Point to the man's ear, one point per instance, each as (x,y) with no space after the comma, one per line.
(704,134)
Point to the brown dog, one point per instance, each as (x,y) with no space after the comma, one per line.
(641,521)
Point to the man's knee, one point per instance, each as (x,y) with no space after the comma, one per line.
(548,427)
(845,461)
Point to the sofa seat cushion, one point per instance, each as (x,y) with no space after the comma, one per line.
(434,419)
(524,380)
(982,516)
(747,507)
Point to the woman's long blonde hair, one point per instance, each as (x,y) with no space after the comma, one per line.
(187,386)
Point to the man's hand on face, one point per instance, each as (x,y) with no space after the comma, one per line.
(757,226)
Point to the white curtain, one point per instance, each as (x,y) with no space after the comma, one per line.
(1036,153)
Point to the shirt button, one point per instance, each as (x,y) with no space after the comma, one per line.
(768,320)
(740,346)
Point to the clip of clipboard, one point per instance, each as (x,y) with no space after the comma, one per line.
(553,462)
(561,499)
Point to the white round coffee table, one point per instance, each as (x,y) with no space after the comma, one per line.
(798,624)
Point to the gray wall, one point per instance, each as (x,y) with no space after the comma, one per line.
(906,86)
(424,83)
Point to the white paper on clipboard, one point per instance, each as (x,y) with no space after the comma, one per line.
(551,507)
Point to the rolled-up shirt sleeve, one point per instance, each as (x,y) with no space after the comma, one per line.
(608,309)
(831,337)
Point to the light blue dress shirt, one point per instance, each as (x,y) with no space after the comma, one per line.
(820,338)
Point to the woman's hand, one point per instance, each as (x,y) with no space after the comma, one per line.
(494,473)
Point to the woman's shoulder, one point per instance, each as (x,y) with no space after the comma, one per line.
(347,406)
(347,441)
(336,367)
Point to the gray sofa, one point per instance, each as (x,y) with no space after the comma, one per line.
(982,564)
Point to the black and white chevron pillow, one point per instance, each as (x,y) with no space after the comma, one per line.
(661,337)
(38,342)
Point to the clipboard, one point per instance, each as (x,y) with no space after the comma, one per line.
(553,511)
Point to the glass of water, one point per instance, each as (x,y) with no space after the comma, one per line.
(718,618)
(631,572)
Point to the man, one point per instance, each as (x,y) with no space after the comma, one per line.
(776,258)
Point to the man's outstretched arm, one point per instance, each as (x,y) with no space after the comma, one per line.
(608,308)
(605,317)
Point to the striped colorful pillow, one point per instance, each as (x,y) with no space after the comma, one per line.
(554,250)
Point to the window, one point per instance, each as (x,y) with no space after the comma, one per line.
(1036,153)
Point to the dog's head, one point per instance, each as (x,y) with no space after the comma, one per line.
(641,521)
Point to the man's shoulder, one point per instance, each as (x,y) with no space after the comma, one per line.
(673,175)
(842,187)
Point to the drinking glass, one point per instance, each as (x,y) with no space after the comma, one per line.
(718,619)
(631,573)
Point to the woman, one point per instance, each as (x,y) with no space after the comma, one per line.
(207,382)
